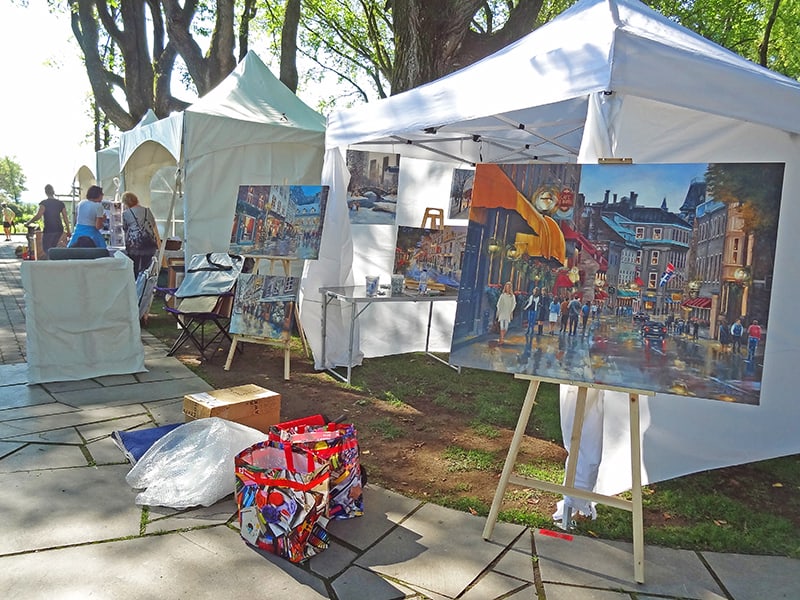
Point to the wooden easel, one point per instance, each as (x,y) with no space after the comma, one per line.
(433,218)
(286,345)
(633,506)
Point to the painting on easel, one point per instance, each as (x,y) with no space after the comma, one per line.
(430,259)
(279,221)
(372,190)
(263,306)
(647,277)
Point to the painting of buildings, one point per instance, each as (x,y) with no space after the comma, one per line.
(433,256)
(372,190)
(263,306)
(642,277)
(279,221)
(461,193)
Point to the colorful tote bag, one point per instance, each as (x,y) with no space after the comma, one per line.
(337,445)
(282,497)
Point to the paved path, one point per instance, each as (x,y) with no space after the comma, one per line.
(71,528)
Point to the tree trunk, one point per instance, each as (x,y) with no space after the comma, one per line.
(763,47)
(433,39)
(291,22)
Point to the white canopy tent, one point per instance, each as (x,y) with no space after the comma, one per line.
(606,79)
(107,161)
(250,129)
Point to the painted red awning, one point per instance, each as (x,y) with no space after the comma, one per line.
(562,281)
(698,303)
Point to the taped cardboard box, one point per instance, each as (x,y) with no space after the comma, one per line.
(250,405)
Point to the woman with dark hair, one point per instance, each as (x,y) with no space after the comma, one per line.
(53,211)
(90,218)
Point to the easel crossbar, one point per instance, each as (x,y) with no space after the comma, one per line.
(555,488)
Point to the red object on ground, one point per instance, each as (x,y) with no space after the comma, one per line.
(555,534)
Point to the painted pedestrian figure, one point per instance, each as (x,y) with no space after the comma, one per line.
(753,337)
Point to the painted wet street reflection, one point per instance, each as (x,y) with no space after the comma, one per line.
(612,350)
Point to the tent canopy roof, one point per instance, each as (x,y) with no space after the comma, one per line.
(250,95)
(528,101)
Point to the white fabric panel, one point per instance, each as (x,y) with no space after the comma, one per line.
(107,161)
(396,328)
(81,318)
(142,165)
(680,434)
(591,446)
(211,182)
(333,269)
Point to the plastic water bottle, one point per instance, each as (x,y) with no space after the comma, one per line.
(423,282)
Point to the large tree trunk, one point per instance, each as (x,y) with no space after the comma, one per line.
(291,22)
(433,39)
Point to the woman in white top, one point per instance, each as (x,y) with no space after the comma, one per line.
(506,304)
(89,221)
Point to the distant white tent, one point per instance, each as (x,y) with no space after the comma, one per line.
(250,129)
(107,161)
(605,79)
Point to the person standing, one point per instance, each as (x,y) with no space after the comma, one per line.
(531,308)
(544,311)
(574,310)
(555,312)
(8,220)
(564,311)
(506,304)
(585,310)
(737,329)
(141,235)
(53,211)
(753,337)
(90,219)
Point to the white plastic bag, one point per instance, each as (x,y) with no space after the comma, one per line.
(192,464)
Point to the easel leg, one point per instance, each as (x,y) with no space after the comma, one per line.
(231,352)
(511,458)
(636,490)
(287,356)
(300,329)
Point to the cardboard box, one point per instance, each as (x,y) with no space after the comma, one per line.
(249,405)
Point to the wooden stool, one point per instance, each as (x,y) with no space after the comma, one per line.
(434,216)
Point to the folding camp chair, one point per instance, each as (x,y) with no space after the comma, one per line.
(195,315)
(204,300)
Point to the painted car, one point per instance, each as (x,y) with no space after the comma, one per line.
(654,329)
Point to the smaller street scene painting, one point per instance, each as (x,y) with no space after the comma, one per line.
(264,306)
(279,221)
(651,277)
(372,191)
(430,257)
(461,193)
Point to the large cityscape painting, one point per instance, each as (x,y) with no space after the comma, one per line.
(279,221)
(653,278)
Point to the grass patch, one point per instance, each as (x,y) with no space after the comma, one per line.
(461,459)
(468,504)
(390,398)
(484,430)
(387,428)
(544,471)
